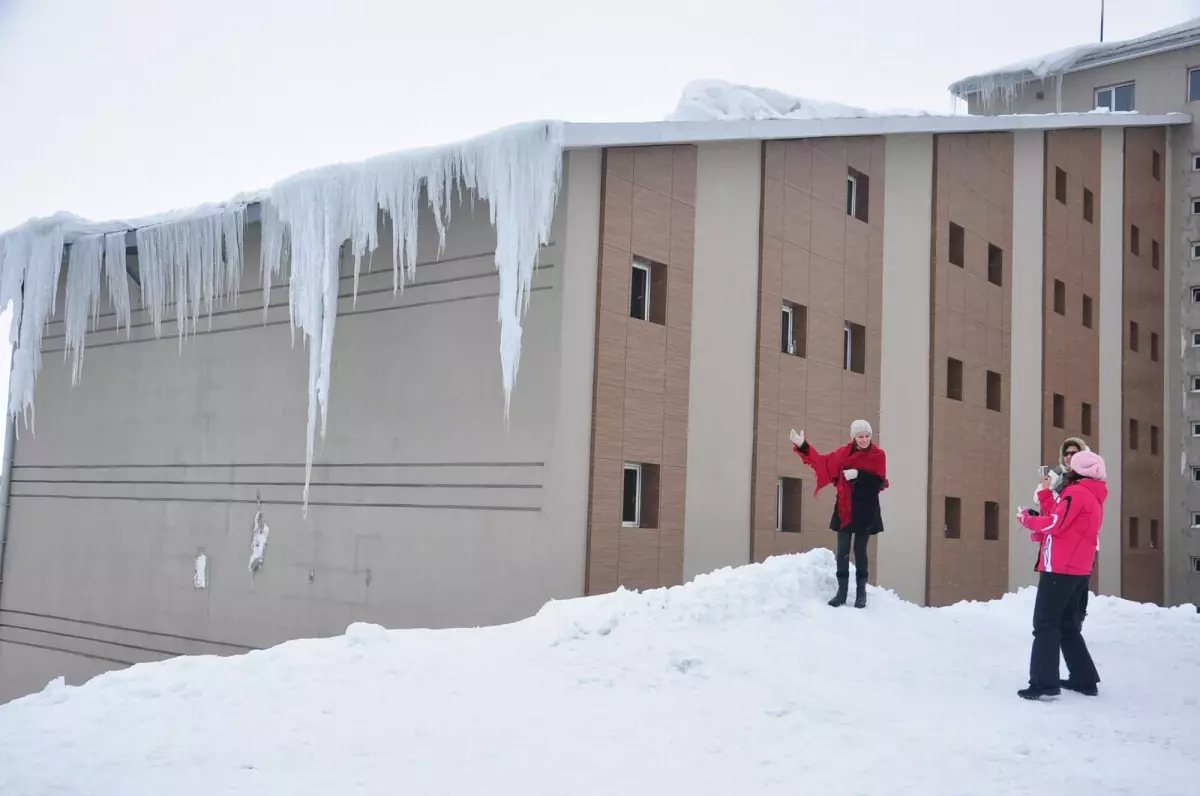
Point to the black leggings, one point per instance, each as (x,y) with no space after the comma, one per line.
(861,567)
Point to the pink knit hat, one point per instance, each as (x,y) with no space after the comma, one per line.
(1088,465)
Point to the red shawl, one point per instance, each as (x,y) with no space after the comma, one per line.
(828,468)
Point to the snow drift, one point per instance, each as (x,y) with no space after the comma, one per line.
(742,682)
(717,100)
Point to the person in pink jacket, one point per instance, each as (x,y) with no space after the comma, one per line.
(1068,535)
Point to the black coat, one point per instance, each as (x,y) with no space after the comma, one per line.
(867,517)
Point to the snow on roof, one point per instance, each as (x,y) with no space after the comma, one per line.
(717,100)
(1007,79)
(742,681)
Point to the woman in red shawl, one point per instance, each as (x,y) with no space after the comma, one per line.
(859,473)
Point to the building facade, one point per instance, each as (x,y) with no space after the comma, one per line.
(707,287)
(1157,73)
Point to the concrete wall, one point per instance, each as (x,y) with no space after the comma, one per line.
(426,509)
(1112,339)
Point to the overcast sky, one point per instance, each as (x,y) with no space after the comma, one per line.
(118,108)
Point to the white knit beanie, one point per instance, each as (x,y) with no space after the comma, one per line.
(860,427)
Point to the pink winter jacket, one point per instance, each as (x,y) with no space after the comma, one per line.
(1070,532)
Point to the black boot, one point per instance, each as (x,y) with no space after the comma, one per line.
(839,599)
(1036,692)
(860,593)
(1087,689)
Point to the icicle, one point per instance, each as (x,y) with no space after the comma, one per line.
(116,277)
(271,253)
(83,297)
(33,258)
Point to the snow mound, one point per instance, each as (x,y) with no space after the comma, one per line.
(743,682)
(717,100)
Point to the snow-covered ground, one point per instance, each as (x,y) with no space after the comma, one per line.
(743,682)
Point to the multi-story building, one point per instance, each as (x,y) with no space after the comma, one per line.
(1156,73)
(702,288)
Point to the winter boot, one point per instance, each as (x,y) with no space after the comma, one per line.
(839,599)
(1087,689)
(860,593)
(1036,692)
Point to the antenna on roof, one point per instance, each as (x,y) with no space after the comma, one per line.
(1101,21)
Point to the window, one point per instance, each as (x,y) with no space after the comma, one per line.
(953,528)
(639,496)
(1154,346)
(1196,473)
(1057,411)
(1085,420)
(1155,254)
(789,497)
(1115,98)
(1087,311)
(958,245)
(648,291)
(995,265)
(1195,206)
(1196,251)
(1195,339)
(954,379)
(993,391)
(991,521)
(1088,199)
(858,188)
(1196,295)
(1195,520)
(854,348)
(1133,434)
(1153,534)
(1195,162)
(1060,297)
(794,330)
(1060,185)
(1133,533)
(1196,564)
(1153,440)
(1196,429)
(1195,383)
(1135,240)
(1156,164)
(1193,90)
(1133,336)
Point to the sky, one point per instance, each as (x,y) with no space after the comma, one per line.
(119,108)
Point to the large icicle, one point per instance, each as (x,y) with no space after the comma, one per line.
(83,297)
(117,277)
(32,266)
(517,171)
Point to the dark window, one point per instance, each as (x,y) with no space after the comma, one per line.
(991,521)
(1085,419)
(993,391)
(858,194)
(1060,185)
(1153,440)
(1154,346)
(1060,297)
(648,291)
(1153,534)
(1155,254)
(1133,533)
(854,348)
(1135,239)
(953,518)
(995,265)
(1115,98)
(954,379)
(639,496)
(794,330)
(789,502)
(1133,434)
(1133,336)
(1087,311)
(958,245)
(1087,205)
(1193,94)
(1057,410)
(1156,164)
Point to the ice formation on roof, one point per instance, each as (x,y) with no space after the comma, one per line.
(717,100)
(1005,82)
(193,260)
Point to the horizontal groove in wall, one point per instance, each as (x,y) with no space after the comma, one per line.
(244,501)
(77,653)
(90,639)
(332,484)
(264,465)
(174,338)
(123,629)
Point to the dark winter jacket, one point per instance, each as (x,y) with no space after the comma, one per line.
(856,509)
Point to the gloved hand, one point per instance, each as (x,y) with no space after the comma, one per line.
(797,437)
(850,474)
(1055,479)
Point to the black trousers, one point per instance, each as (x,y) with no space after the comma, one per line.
(861,567)
(1057,621)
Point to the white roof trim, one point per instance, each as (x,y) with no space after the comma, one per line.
(605,134)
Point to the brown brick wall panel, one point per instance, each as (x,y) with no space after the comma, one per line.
(640,398)
(970,443)
(1142,378)
(815,255)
